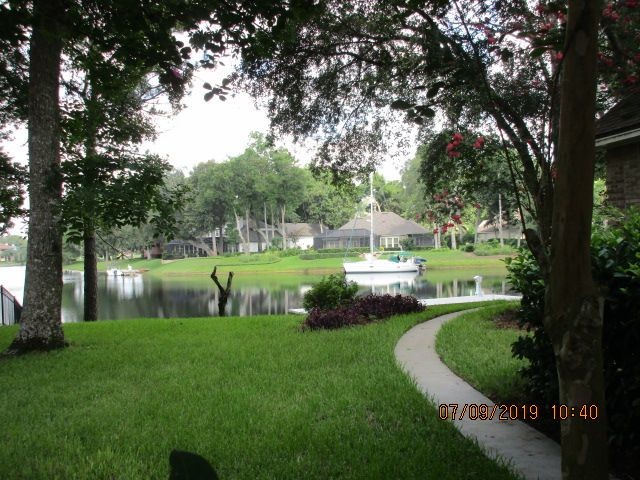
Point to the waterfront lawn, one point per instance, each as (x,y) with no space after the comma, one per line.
(477,350)
(254,396)
(269,263)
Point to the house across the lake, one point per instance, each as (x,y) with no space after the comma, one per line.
(261,235)
(390,230)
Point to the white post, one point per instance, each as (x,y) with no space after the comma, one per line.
(478,280)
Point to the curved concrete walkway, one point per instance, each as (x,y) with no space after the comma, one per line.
(528,451)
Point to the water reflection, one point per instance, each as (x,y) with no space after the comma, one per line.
(148,296)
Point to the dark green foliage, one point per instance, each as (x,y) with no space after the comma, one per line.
(468,247)
(525,277)
(361,311)
(407,244)
(12,179)
(331,292)
(615,255)
(172,256)
(323,254)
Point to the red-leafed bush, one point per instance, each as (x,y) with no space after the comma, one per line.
(361,311)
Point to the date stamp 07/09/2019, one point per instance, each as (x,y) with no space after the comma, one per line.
(505,412)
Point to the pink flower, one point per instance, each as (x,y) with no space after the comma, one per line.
(457,137)
(559,56)
(435,231)
(454,154)
(631,80)
(479,143)
(491,39)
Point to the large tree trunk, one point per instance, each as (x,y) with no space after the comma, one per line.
(41,324)
(246,224)
(221,244)
(90,276)
(284,231)
(239,230)
(265,225)
(475,236)
(214,247)
(573,318)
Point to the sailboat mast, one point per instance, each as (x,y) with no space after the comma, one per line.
(371,200)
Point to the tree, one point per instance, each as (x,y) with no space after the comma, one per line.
(211,202)
(573,316)
(327,204)
(40,323)
(130,191)
(479,175)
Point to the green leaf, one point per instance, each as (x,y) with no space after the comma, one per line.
(401,105)
(425,111)
(433,91)
(207,85)
(208,96)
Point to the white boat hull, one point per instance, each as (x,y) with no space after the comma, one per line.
(379,266)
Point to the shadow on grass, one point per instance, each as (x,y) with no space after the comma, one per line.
(190,466)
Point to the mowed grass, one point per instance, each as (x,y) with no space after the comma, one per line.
(270,263)
(477,350)
(254,396)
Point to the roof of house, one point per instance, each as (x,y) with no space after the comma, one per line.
(623,117)
(386,223)
(303,229)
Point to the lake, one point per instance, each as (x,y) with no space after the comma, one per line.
(197,296)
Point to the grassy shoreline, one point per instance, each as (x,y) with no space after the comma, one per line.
(441,259)
(254,396)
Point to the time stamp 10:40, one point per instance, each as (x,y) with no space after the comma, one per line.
(482,411)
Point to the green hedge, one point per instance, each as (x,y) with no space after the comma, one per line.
(319,255)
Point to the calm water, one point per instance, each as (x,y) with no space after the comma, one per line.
(148,296)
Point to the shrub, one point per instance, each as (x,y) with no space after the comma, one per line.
(407,244)
(330,292)
(319,255)
(361,311)
(331,319)
(493,248)
(383,306)
(468,247)
(615,255)
(289,252)
(172,256)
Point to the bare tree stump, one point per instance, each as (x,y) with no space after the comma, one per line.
(224,292)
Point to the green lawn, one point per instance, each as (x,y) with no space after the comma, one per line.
(254,396)
(270,263)
(479,352)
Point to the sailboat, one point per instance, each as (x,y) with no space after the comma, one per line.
(371,264)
